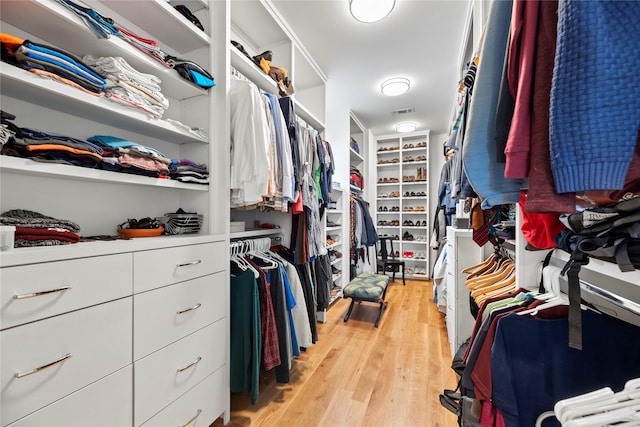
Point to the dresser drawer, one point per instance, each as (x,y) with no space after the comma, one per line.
(201,405)
(87,281)
(105,403)
(97,338)
(165,375)
(164,315)
(160,267)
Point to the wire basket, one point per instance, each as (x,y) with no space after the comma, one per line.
(182,223)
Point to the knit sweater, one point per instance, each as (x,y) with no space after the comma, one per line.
(595,105)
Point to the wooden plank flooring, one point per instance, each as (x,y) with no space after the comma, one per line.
(356,375)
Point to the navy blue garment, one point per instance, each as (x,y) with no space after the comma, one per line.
(288,111)
(532,365)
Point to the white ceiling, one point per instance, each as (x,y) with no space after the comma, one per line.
(420,39)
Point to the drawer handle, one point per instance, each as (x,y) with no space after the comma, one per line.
(43,367)
(191,365)
(189,264)
(41,293)
(186,310)
(192,419)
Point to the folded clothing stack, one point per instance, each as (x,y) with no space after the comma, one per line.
(131,157)
(35,229)
(188,171)
(128,86)
(102,26)
(49,147)
(56,63)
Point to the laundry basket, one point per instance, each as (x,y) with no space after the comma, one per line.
(182,223)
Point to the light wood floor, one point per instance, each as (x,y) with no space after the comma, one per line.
(356,375)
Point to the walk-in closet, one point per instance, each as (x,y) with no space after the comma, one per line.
(319,213)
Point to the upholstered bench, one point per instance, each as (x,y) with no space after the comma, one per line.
(367,287)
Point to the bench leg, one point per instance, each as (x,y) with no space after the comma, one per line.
(383,305)
(346,316)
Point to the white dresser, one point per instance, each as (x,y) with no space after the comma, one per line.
(114,339)
(462,252)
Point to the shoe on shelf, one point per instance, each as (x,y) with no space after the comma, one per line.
(332,224)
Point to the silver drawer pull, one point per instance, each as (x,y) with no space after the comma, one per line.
(189,264)
(186,310)
(43,367)
(41,293)
(192,419)
(191,365)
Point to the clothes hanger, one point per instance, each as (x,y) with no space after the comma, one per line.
(501,271)
(489,283)
(471,269)
(253,251)
(501,287)
(571,408)
(630,414)
(503,290)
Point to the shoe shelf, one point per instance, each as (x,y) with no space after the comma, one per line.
(336,261)
(335,228)
(410,170)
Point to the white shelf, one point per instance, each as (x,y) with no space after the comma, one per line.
(336,276)
(45,18)
(388,151)
(336,228)
(336,261)
(307,116)
(416,162)
(334,211)
(354,188)
(255,233)
(355,157)
(30,167)
(333,245)
(160,18)
(413,150)
(21,84)
(384,165)
(251,71)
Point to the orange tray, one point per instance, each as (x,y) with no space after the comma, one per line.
(130,233)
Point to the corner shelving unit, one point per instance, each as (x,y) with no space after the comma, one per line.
(402,197)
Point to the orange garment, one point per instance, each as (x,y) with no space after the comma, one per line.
(63,80)
(11,42)
(59,147)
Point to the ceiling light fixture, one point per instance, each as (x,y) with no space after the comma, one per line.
(405,127)
(395,86)
(370,10)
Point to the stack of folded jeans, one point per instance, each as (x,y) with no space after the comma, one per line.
(188,171)
(56,62)
(129,86)
(54,148)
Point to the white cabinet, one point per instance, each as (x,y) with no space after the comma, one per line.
(81,347)
(171,335)
(164,376)
(88,295)
(105,403)
(462,252)
(402,200)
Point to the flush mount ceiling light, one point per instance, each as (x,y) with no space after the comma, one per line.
(395,86)
(405,127)
(370,10)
